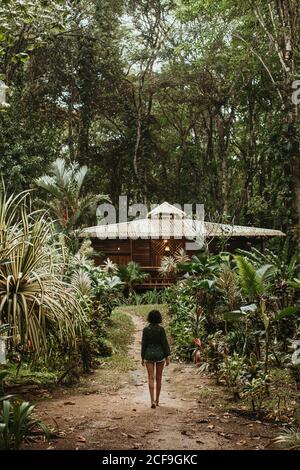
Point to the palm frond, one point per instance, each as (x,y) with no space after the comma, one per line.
(251,283)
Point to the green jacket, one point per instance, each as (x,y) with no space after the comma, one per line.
(155,346)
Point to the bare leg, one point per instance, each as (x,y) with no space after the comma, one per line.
(150,370)
(159,371)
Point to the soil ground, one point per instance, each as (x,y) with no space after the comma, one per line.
(194,413)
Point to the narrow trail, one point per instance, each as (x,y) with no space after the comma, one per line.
(191,416)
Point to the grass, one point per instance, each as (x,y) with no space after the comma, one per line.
(143,310)
(28,376)
(120,333)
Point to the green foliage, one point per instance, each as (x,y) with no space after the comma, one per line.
(284,264)
(132,275)
(67,203)
(250,279)
(205,265)
(232,371)
(215,350)
(35,301)
(35,20)
(256,391)
(17,424)
(60,60)
(149,297)
(242,347)
(104,347)
(16,420)
(227,282)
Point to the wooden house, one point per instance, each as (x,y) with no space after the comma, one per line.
(163,232)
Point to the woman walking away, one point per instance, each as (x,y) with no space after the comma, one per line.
(155,353)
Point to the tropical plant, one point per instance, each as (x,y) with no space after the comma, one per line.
(181,256)
(206,300)
(295,283)
(205,264)
(256,390)
(16,420)
(110,267)
(285,264)
(81,281)
(17,424)
(290,438)
(227,283)
(149,297)
(169,267)
(214,351)
(172,266)
(132,275)
(232,371)
(243,326)
(252,280)
(66,200)
(34,299)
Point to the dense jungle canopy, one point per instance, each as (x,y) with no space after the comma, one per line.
(186,101)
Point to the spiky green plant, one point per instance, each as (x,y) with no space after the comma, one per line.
(17,424)
(33,298)
(110,267)
(290,439)
(82,282)
(181,256)
(168,267)
(227,283)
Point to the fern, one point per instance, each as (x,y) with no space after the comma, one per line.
(251,283)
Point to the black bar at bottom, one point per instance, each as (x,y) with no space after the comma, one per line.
(137,459)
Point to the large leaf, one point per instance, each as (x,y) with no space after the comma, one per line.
(295,283)
(251,283)
(265,272)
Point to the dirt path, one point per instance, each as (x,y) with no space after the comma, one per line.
(192,414)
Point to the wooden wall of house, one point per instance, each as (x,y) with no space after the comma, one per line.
(146,253)
(149,253)
(141,252)
(118,251)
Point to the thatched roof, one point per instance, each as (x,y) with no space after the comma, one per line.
(166,221)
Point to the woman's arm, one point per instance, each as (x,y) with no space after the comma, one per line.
(144,344)
(165,344)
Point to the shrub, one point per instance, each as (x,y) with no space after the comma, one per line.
(16,420)
(104,347)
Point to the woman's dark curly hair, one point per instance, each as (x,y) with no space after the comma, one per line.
(154,316)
